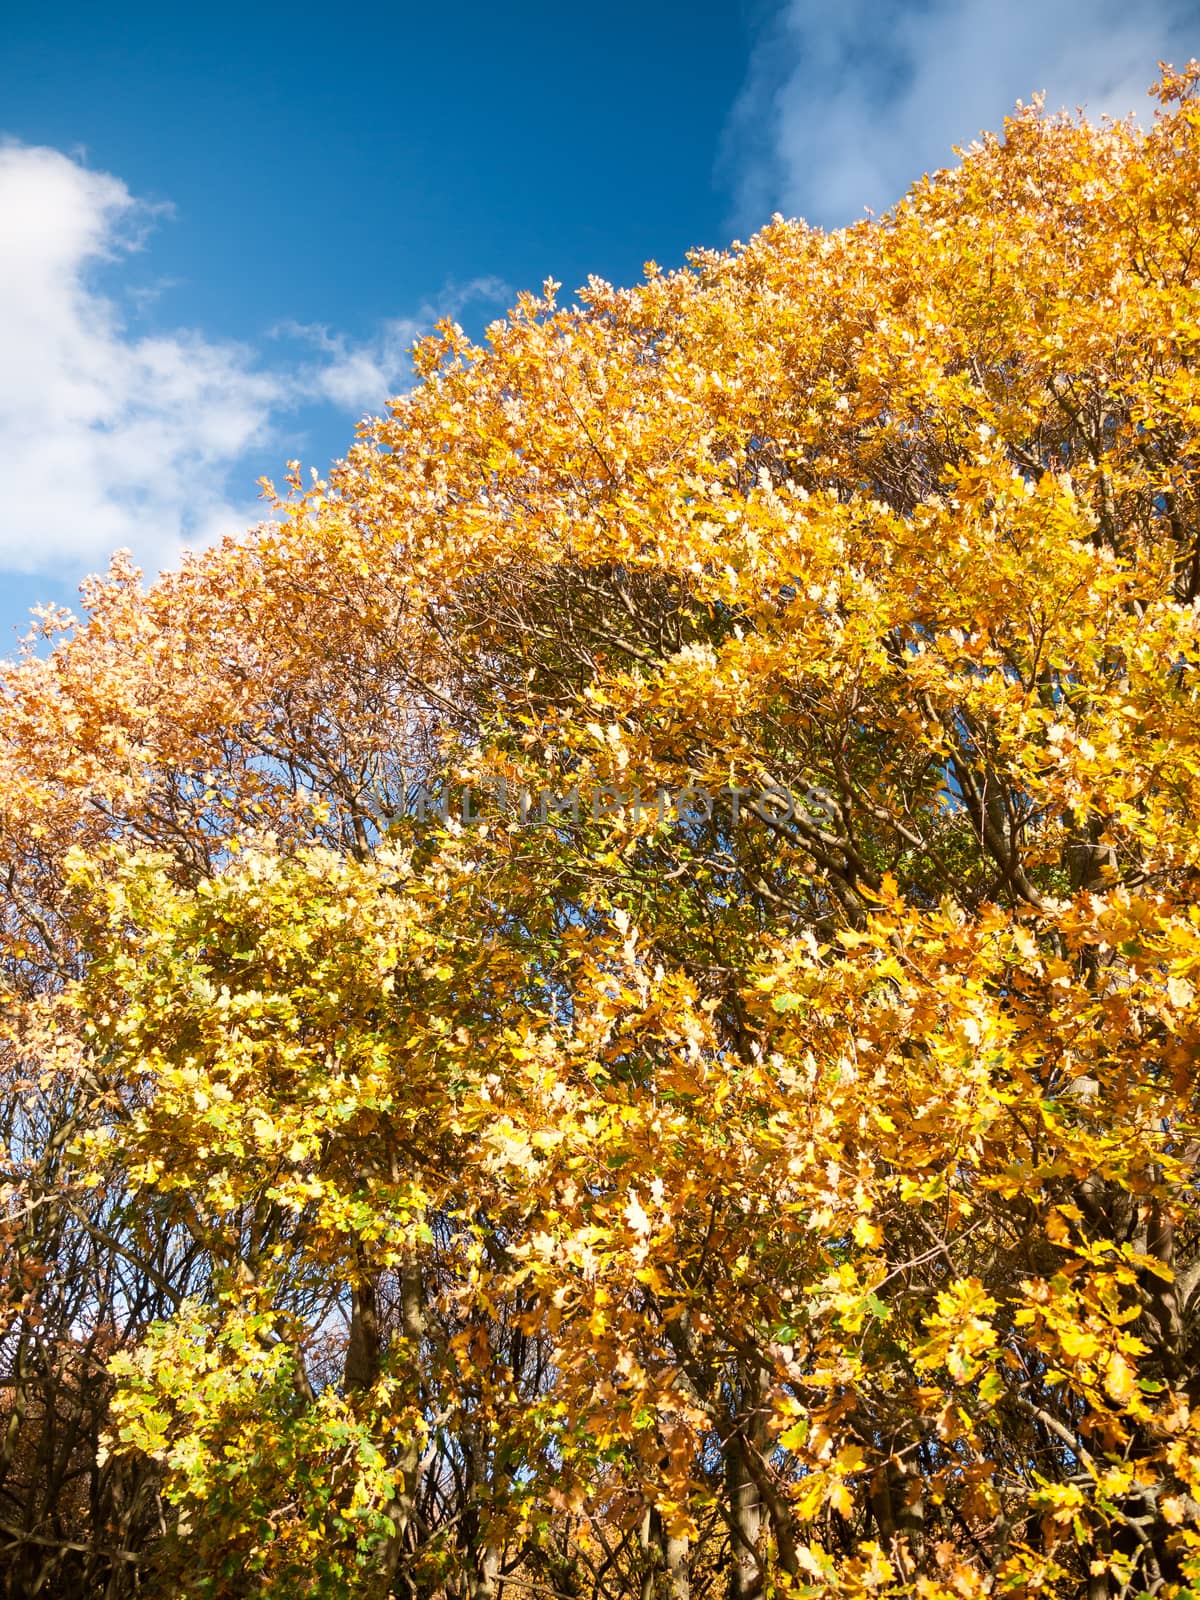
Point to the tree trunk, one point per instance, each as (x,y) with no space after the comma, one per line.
(745,1524)
(679,1581)
(403,1506)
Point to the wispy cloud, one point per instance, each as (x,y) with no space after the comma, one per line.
(845,105)
(111,439)
(359,377)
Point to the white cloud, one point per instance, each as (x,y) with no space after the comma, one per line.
(105,439)
(845,105)
(109,439)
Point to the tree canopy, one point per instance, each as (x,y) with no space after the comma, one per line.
(606,1004)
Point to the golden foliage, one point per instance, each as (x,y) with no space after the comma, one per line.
(805,1202)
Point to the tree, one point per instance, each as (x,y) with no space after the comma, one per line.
(752,1147)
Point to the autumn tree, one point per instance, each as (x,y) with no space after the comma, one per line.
(752,1147)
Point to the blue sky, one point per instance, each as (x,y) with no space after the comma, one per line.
(221,227)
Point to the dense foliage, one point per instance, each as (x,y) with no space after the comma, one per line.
(649,1196)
